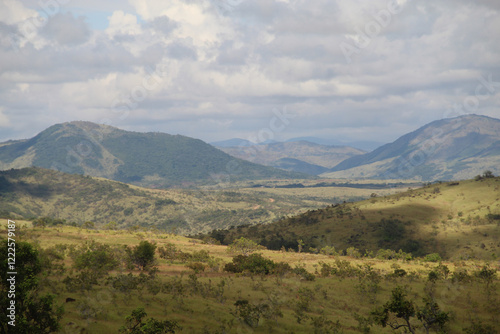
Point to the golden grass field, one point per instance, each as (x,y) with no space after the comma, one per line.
(204,302)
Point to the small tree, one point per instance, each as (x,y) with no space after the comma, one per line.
(432,317)
(135,325)
(244,246)
(143,255)
(488,174)
(400,308)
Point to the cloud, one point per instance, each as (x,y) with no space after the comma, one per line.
(66,29)
(4,120)
(121,23)
(181,50)
(13,12)
(226,65)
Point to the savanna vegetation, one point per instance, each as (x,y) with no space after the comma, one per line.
(75,199)
(457,220)
(98,258)
(88,280)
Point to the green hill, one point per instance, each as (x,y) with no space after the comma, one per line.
(454,219)
(37,192)
(148,159)
(449,149)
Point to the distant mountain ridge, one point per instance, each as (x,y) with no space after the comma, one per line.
(148,159)
(448,149)
(300,156)
(364,145)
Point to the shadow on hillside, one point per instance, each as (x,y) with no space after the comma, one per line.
(416,212)
(33,190)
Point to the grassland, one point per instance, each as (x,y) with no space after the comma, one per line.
(455,219)
(36,192)
(325,301)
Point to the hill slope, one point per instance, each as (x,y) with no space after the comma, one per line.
(153,159)
(456,220)
(456,148)
(307,157)
(37,192)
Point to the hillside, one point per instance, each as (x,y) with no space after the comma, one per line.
(148,159)
(455,219)
(36,192)
(302,156)
(198,287)
(448,149)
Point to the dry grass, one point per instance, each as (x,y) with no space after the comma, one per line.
(336,298)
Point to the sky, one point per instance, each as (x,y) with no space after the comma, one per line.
(354,70)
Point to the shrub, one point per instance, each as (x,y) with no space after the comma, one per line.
(491,216)
(281,268)
(196,267)
(328,250)
(254,263)
(434,257)
(461,276)
(96,257)
(433,276)
(344,269)
(200,256)
(135,325)
(303,273)
(244,246)
(353,252)
(399,272)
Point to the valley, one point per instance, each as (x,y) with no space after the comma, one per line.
(145,234)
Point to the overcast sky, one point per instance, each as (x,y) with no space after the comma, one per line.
(259,69)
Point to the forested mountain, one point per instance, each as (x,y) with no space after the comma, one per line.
(149,159)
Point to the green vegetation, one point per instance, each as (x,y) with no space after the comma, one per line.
(143,255)
(31,311)
(192,287)
(148,159)
(456,222)
(135,325)
(57,198)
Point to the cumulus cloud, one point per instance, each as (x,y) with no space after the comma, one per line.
(222,66)
(66,29)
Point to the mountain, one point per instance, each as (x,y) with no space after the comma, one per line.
(232,142)
(458,220)
(307,157)
(364,145)
(298,166)
(448,149)
(150,159)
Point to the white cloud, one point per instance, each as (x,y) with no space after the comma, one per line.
(4,120)
(226,68)
(123,23)
(13,12)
